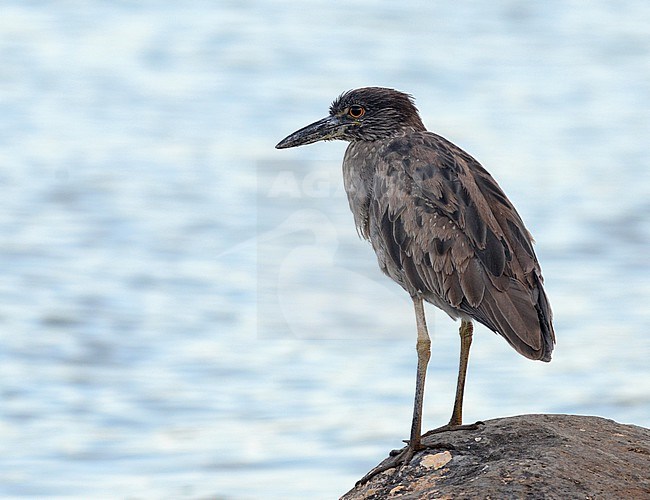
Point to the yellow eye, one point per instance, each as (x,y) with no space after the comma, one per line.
(356,111)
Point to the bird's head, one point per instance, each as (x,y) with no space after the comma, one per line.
(365,114)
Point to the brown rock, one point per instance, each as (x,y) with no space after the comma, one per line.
(528,456)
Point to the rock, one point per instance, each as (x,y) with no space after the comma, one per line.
(528,456)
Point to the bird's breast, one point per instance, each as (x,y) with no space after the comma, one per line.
(359,164)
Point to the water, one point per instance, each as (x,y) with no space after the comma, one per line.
(187,313)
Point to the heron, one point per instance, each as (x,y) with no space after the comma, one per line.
(442,228)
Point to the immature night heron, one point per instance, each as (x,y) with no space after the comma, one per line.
(441,227)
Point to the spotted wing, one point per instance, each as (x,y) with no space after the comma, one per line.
(442,227)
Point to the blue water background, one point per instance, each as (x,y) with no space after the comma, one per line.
(186,312)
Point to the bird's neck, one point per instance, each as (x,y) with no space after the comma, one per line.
(400,132)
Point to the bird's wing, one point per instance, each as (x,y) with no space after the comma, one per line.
(445,228)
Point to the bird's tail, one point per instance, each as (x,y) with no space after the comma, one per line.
(522,316)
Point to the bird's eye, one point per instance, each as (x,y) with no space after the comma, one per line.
(356,111)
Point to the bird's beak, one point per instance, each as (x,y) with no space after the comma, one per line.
(323,130)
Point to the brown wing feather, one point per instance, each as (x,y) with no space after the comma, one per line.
(443,228)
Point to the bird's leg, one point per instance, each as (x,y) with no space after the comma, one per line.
(456,422)
(423,346)
(466,332)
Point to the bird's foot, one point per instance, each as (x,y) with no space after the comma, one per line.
(395,459)
(401,458)
(454,427)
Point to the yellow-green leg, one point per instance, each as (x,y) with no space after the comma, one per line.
(465,331)
(423,347)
